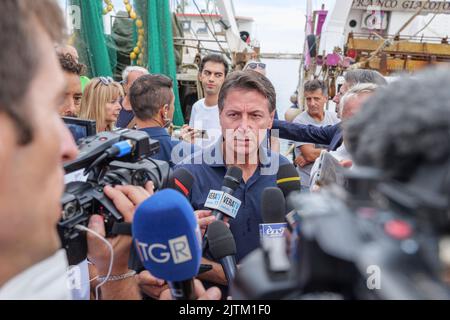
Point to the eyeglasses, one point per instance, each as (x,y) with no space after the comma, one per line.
(105,81)
(254,65)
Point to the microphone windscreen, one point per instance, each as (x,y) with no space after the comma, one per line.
(233,178)
(288,179)
(273,205)
(167,236)
(220,240)
(181,180)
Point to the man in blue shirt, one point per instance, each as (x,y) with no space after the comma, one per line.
(247,108)
(152,101)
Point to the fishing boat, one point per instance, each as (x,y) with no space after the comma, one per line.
(390,36)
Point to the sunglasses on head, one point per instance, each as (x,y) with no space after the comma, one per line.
(254,65)
(105,81)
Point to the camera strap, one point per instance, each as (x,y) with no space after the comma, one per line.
(121,228)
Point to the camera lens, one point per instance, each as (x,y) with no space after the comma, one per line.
(140,178)
(69,210)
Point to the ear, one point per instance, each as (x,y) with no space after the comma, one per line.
(272,117)
(164,110)
(8,136)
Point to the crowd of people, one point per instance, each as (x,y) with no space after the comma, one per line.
(230,127)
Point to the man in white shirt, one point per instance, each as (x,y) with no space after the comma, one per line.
(316,96)
(205,112)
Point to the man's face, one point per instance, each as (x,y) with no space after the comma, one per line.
(342,90)
(353,105)
(72,97)
(212,77)
(244,119)
(132,77)
(31,176)
(315,101)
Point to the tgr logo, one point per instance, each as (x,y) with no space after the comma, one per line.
(178,249)
(374,278)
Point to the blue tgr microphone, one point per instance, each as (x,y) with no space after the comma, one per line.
(167,237)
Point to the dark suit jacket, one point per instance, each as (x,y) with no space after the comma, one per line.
(327,135)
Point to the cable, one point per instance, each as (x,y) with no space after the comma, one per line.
(111,260)
(212,33)
(426,25)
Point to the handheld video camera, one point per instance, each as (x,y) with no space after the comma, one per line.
(108,158)
(373,239)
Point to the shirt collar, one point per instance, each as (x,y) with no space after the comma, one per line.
(156,131)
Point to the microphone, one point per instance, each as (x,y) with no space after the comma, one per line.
(167,238)
(266,273)
(182,181)
(272,231)
(223,248)
(222,202)
(288,181)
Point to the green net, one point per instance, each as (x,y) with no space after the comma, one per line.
(160,52)
(95,49)
(108,55)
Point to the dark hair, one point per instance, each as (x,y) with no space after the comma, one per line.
(68,64)
(403,126)
(313,85)
(249,80)
(149,93)
(217,58)
(19,60)
(356,76)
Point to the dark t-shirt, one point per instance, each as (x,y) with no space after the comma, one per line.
(125,117)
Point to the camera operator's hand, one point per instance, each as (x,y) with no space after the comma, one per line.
(212,293)
(125,199)
(150,285)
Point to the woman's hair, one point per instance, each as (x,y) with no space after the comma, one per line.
(96,95)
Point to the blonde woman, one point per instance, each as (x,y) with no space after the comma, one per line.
(101,102)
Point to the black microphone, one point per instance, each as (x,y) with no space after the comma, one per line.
(289,183)
(223,247)
(272,231)
(182,181)
(288,179)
